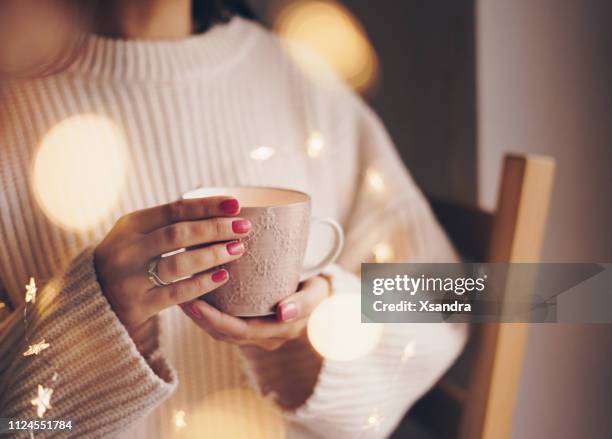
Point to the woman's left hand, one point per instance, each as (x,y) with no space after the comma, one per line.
(267,333)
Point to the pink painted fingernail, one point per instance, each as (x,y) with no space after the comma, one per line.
(230,206)
(195,311)
(241,226)
(287,311)
(219,275)
(235,248)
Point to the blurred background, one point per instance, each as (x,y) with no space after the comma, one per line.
(458,84)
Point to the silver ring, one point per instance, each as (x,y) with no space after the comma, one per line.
(153,273)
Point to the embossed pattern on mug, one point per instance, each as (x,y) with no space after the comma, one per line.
(269,270)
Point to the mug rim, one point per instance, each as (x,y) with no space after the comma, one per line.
(307,199)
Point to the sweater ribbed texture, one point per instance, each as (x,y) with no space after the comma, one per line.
(192,111)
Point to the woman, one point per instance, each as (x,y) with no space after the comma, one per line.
(192,109)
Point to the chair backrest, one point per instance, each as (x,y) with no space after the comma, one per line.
(476,399)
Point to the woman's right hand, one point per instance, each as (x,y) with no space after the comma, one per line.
(207,227)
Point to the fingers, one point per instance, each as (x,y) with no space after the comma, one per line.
(216,322)
(185,290)
(201,259)
(192,233)
(262,332)
(266,334)
(147,220)
(303,303)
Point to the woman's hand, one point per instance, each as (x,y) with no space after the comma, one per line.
(267,333)
(202,226)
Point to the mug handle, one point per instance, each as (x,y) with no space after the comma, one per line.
(308,272)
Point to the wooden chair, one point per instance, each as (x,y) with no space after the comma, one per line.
(476,399)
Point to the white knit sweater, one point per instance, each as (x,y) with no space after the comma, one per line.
(192,111)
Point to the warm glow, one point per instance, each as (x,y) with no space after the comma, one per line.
(80,171)
(262,153)
(383,252)
(408,352)
(375,180)
(327,31)
(315,144)
(374,420)
(179,419)
(238,414)
(336,332)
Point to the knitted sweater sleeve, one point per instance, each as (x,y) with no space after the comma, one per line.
(104,383)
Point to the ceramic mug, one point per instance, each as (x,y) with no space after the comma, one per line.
(272,265)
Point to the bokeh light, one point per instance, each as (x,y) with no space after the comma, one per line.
(179,419)
(80,171)
(374,420)
(315,144)
(328,31)
(383,252)
(238,413)
(336,332)
(408,352)
(262,153)
(375,180)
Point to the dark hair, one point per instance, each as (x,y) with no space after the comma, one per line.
(207,13)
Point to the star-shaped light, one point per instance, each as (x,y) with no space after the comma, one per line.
(42,402)
(262,153)
(315,144)
(408,351)
(36,348)
(179,419)
(31,291)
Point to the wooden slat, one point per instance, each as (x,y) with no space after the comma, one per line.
(494,357)
(523,201)
(517,236)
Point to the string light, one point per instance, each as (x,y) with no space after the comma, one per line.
(179,419)
(36,348)
(408,352)
(383,252)
(31,290)
(42,402)
(315,144)
(374,420)
(375,180)
(262,153)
